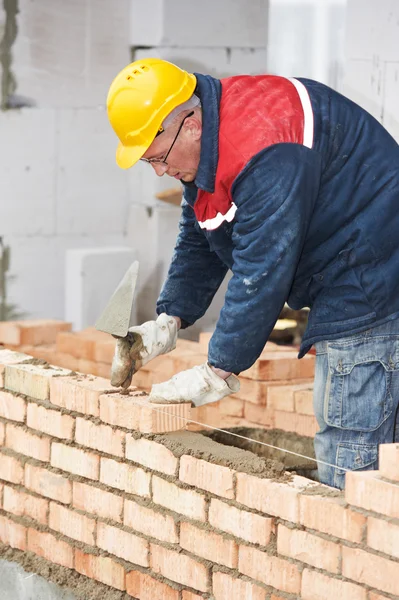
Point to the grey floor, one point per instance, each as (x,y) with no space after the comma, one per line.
(17,584)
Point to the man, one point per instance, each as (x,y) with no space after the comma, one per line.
(295,189)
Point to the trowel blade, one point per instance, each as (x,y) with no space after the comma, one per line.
(117,315)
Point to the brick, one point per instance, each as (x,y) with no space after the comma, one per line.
(66,361)
(2,433)
(123,544)
(31,380)
(97,502)
(281,366)
(304,401)
(259,415)
(50,421)
(242,524)
(383,536)
(12,534)
(136,412)
(232,406)
(187,502)
(316,586)
(282,397)
(140,585)
(9,357)
(271,497)
(389,461)
(100,568)
(125,477)
(370,569)
(48,484)
(79,393)
(89,367)
(209,545)
(186,595)
(179,567)
(367,490)
(309,549)
(12,407)
(329,515)
(47,546)
(78,346)
(25,505)
(207,476)
(104,351)
(11,469)
(225,586)
(305,425)
(31,332)
(104,370)
(72,524)
(27,443)
(373,596)
(99,437)
(150,454)
(75,460)
(147,521)
(269,570)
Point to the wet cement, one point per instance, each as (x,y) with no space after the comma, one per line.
(225,454)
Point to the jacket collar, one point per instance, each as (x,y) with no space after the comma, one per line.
(209,90)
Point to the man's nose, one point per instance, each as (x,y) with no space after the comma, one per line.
(159,168)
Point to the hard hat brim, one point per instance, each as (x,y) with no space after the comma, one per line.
(127,156)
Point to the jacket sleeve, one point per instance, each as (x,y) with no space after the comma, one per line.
(274,195)
(194,275)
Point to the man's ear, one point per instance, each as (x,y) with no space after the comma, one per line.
(193,127)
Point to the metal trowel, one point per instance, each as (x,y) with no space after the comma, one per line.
(117,315)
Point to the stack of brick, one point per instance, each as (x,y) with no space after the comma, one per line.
(276,393)
(86,483)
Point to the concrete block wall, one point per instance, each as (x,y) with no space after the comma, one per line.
(59,184)
(86,483)
(372,59)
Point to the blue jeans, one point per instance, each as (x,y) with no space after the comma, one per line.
(356,396)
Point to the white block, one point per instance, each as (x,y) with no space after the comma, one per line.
(372,29)
(92,191)
(390,118)
(67,53)
(364,84)
(37,268)
(218,62)
(91,277)
(231,23)
(27,163)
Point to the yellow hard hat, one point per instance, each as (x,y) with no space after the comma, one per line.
(141,96)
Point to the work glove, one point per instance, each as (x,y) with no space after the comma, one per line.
(199,385)
(142,344)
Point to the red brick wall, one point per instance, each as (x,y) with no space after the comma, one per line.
(80,489)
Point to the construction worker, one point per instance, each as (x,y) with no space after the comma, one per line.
(295,189)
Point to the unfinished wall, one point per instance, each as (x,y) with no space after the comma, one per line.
(88,485)
(372,59)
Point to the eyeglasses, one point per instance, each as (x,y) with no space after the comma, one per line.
(157,161)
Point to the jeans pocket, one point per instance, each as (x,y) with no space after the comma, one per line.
(351,456)
(358,393)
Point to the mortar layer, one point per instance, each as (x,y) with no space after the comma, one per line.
(200,446)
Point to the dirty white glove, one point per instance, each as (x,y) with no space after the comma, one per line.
(198,385)
(142,344)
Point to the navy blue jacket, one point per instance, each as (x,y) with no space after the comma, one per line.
(314,227)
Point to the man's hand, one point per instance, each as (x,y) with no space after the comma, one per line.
(198,385)
(142,344)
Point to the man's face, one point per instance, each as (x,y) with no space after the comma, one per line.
(182,159)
